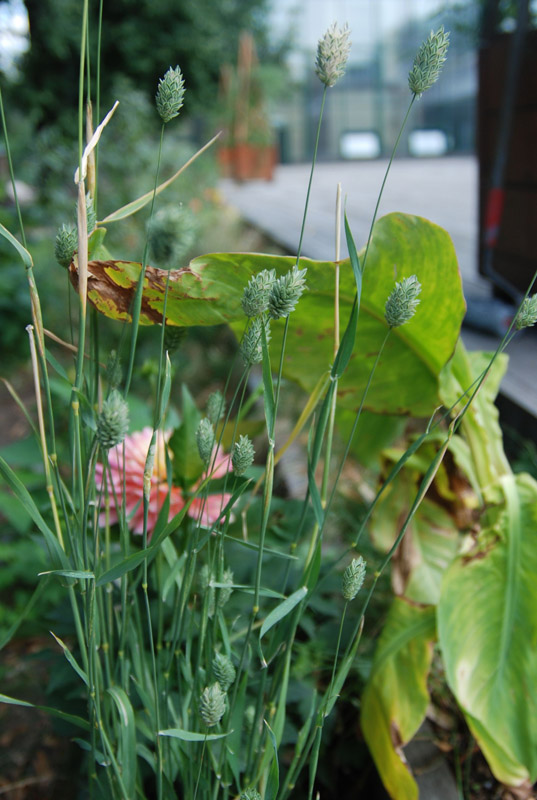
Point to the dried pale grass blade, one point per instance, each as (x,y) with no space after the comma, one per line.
(41,421)
(92,144)
(91,177)
(136,205)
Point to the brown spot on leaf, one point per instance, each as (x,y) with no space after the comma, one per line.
(104,292)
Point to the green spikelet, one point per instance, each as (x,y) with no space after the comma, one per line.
(114,373)
(402,303)
(286,293)
(252,343)
(527,316)
(212,705)
(353,578)
(216,407)
(223,670)
(428,62)
(173,336)
(170,94)
(250,794)
(205,439)
(113,421)
(243,455)
(65,245)
(171,234)
(332,54)
(256,295)
(91,216)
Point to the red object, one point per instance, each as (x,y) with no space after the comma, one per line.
(493,216)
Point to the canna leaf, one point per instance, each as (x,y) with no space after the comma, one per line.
(209,290)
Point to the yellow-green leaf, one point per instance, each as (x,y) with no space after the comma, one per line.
(487,628)
(396,697)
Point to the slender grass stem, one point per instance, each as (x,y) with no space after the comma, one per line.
(137,305)
(381,192)
(313,162)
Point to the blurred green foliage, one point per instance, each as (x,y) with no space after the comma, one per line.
(140,40)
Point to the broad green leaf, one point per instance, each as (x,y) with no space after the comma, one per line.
(431,540)
(480,425)
(96,247)
(395,699)
(374,432)
(487,623)
(187,464)
(406,380)
(127,757)
(209,290)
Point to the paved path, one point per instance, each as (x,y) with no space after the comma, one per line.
(442,190)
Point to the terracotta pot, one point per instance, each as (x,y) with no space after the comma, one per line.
(254,162)
(225,161)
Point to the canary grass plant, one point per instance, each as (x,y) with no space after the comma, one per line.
(187,591)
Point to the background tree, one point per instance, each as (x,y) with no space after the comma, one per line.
(140,40)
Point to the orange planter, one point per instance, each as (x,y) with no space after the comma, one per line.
(246,162)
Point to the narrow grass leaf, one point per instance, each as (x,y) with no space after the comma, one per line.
(354,259)
(266,550)
(149,757)
(165,390)
(273,782)
(312,575)
(320,430)
(281,611)
(346,347)
(69,573)
(21,405)
(315,497)
(57,367)
(71,659)
(100,757)
(124,566)
(128,738)
(41,586)
(329,701)
(192,736)
(314,760)
(308,410)
(249,589)
(159,536)
(224,631)
(20,491)
(55,712)
(22,251)
(137,205)
(237,724)
(306,727)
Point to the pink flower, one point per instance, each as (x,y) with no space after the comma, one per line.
(204,509)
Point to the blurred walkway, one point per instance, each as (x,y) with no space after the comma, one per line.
(444,191)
